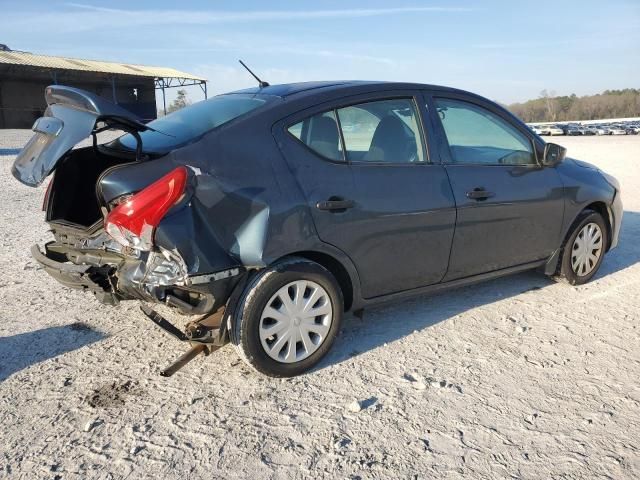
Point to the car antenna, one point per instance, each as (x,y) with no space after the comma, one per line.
(260,82)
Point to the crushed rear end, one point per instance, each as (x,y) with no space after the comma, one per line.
(126,225)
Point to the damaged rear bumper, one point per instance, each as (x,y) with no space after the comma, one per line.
(112,277)
(159,277)
(83,277)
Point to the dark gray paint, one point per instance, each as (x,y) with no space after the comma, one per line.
(253,190)
(398,233)
(520,224)
(583,185)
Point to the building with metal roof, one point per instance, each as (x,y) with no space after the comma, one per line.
(24,76)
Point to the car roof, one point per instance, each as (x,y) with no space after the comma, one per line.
(309,88)
(297,97)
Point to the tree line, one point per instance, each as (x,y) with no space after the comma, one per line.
(551,108)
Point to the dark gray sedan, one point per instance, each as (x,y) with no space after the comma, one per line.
(263,215)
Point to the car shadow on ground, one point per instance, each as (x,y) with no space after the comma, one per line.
(389,323)
(25,349)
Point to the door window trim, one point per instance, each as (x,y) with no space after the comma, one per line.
(351,102)
(473,101)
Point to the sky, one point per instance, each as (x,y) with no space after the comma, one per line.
(508,51)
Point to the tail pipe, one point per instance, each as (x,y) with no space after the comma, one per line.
(205,335)
(185,358)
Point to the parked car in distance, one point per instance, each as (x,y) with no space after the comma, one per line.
(571,130)
(539,130)
(603,130)
(617,130)
(555,130)
(544,130)
(267,213)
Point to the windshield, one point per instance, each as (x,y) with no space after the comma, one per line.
(190,122)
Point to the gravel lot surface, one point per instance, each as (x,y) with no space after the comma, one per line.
(518,377)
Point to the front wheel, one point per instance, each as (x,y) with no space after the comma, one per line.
(584,249)
(287,318)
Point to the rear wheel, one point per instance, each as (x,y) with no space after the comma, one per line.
(287,318)
(584,249)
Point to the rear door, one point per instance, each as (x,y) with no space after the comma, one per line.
(510,208)
(363,165)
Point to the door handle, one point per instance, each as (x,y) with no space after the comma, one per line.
(479,193)
(335,204)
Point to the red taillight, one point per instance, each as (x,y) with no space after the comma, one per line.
(133,222)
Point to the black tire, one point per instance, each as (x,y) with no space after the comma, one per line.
(565,269)
(244,328)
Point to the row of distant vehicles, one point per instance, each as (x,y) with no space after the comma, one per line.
(621,128)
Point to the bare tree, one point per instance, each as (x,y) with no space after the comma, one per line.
(181,101)
(550,103)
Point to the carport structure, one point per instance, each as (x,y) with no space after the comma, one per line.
(24,76)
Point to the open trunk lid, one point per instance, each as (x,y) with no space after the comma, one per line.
(71,116)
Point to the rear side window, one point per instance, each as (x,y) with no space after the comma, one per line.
(320,134)
(478,136)
(385,131)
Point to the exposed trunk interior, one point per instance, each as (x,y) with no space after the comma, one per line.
(72,197)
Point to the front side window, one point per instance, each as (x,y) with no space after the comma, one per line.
(320,134)
(384,131)
(478,136)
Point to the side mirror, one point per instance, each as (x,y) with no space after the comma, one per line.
(553,154)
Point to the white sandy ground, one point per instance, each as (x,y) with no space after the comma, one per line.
(518,377)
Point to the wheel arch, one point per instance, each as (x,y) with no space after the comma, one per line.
(601,208)
(553,263)
(337,269)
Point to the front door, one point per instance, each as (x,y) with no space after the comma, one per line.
(510,208)
(364,169)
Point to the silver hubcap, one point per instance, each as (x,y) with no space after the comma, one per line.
(296,321)
(586,250)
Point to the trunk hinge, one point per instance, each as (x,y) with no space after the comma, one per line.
(120,126)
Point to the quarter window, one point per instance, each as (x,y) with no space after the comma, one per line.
(382,132)
(478,136)
(320,134)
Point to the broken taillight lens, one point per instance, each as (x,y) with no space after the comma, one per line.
(133,222)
